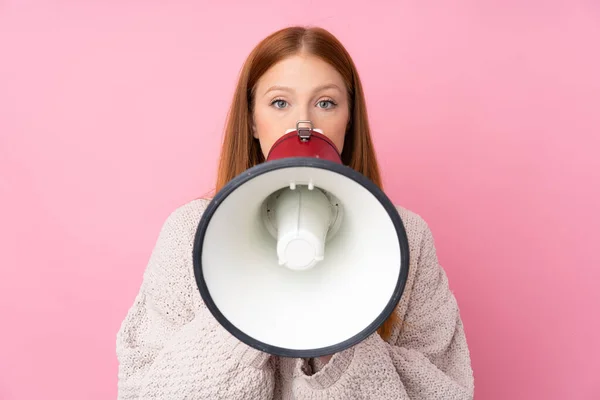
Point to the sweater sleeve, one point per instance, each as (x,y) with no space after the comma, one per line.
(169,346)
(430,360)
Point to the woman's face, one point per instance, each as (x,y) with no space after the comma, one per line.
(301,87)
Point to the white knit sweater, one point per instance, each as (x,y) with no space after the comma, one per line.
(170,347)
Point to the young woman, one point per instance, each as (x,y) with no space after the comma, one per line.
(170,346)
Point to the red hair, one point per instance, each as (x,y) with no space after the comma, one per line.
(241,150)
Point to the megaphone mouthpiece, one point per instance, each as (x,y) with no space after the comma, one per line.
(300,218)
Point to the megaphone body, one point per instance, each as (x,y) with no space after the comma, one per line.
(301,256)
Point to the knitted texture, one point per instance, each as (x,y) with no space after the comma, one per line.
(169,346)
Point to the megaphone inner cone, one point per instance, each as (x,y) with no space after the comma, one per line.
(300,218)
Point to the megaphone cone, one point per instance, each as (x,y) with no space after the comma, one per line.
(301,256)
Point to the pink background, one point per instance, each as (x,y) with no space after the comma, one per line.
(486,117)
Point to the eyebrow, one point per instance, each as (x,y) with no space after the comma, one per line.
(317,89)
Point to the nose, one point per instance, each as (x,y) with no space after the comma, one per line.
(304,113)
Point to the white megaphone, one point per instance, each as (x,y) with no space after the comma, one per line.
(301,256)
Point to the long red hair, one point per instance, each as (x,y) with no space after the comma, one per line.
(241,150)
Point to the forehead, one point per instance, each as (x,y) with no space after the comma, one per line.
(300,73)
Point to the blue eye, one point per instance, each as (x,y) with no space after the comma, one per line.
(279,103)
(326,104)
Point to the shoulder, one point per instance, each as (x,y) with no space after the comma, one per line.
(173,248)
(424,270)
(179,228)
(169,273)
(186,215)
(417,229)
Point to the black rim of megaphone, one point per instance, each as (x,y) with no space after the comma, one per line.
(295,162)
